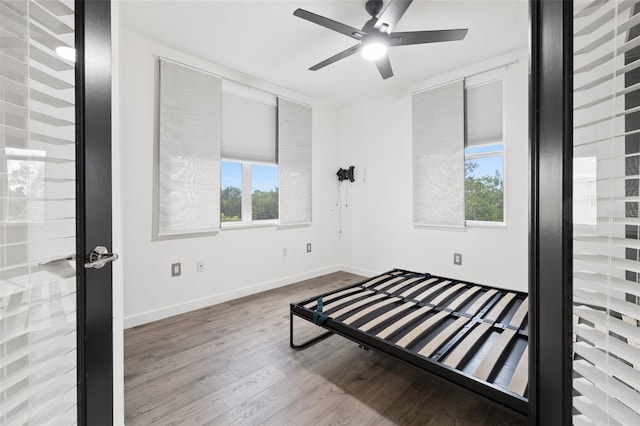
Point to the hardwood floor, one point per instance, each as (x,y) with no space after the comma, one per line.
(231,364)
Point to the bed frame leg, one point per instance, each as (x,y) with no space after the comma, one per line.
(309,342)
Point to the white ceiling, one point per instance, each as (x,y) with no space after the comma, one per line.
(262,38)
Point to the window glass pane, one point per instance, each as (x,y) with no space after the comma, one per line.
(484,189)
(231,191)
(264,199)
(482,149)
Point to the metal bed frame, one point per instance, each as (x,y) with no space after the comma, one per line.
(473,335)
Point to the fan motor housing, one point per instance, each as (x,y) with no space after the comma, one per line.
(373,7)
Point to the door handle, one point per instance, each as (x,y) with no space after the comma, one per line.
(99,257)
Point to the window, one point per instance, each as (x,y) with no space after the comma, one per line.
(484,183)
(230,192)
(264,195)
(248,192)
(249,179)
(484,154)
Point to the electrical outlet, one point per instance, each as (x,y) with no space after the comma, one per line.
(285,252)
(200,266)
(176,269)
(308,247)
(457,258)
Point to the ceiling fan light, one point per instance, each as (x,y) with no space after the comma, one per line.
(374,51)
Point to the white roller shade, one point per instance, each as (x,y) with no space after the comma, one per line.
(483,107)
(248,124)
(189,169)
(438,156)
(294,159)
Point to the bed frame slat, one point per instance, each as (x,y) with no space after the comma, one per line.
(465,345)
(521,314)
(431,290)
(500,307)
(403,284)
(356,305)
(332,297)
(376,280)
(482,300)
(488,363)
(382,318)
(445,294)
(397,325)
(357,315)
(462,299)
(391,282)
(422,285)
(520,379)
(415,332)
(335,303)
(442,337)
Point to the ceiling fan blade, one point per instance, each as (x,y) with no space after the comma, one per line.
(392,14)
(330,24)
(419,37)
(384,66)
(344,54)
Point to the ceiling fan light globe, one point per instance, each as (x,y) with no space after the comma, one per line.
(374,51)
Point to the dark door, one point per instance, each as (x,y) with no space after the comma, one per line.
(95,345)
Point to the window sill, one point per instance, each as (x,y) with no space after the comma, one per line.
(249,225)
(494,225)
(440,227)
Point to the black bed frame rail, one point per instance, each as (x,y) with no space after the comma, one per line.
(490,391)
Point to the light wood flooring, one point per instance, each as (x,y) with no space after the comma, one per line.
(231,364)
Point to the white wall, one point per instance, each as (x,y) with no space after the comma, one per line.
(237,262)
(375,136)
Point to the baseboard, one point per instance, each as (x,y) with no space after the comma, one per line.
(181,308)
(358,271)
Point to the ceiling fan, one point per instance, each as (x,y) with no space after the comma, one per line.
(377,35)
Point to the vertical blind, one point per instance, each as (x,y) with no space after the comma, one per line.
(606,289)
(438,156)
(38,354)
(294,161)
(189,169)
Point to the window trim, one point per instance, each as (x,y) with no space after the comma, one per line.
(246,201)
(470,83)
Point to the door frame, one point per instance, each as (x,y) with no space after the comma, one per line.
(550,253)
(93,211)
(550,222)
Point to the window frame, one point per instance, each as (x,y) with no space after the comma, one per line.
(246,201)
(490,77)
